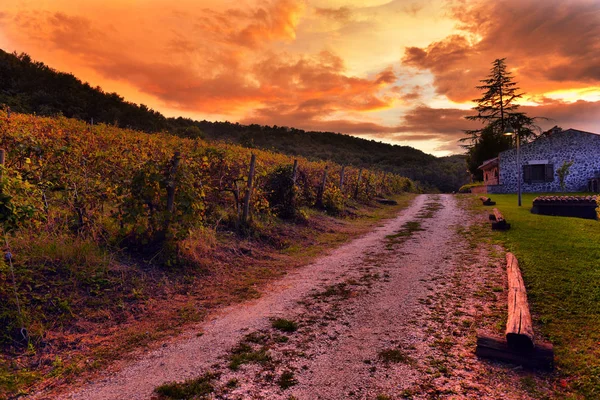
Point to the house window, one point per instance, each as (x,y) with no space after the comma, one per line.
(538,173)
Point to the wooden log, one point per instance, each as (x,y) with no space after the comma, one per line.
(498,215)
(295,172)
(486,201)
(519,328)
(499,223)
(540,357)
(321,190)
(2,161)
(358,183)
(249,188)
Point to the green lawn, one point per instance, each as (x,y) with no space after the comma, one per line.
(560,261)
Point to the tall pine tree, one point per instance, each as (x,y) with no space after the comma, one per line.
(496,109)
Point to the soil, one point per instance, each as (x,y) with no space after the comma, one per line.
(390,315)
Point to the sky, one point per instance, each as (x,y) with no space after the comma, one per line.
(400,71)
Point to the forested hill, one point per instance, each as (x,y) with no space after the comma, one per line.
(28,86)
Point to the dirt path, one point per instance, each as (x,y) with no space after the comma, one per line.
(388,315)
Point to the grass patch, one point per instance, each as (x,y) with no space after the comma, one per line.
(340,290)
(430,209)
(394,356)
(403,234)
(284,325)
(560,261)
(232,383)
(245,354)
(287,380)
(197,388)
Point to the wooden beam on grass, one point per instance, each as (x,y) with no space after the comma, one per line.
(519,328)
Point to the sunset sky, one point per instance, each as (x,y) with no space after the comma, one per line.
(401,71)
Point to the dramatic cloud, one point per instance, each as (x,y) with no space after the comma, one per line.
(393,70)
(550,45)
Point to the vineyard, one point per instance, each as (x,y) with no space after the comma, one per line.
(73,197)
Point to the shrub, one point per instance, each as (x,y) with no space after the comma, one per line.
(333,200)
(281,192)
(467,188)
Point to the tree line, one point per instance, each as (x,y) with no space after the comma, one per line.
(29,86)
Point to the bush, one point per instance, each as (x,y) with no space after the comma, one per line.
(281,192)
(333,200)
(467,188)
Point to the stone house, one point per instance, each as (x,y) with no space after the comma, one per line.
(540,160)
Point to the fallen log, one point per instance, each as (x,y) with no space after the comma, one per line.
(518,346)
(519,328)
(498,221)
(486,201)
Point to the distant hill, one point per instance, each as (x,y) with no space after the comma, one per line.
(28,86)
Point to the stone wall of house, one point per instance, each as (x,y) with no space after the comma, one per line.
(571,145)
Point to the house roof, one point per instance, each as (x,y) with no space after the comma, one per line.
(546,137)
(492,162)
(577,130)
(563,132)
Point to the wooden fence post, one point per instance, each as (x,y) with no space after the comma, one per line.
(342,177)
(358,183)
(294,172)
(246,212)
(322,188)
(2,161)
(171,182)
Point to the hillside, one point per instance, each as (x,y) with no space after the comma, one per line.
(32,87)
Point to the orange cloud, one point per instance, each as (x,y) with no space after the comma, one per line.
(333,67)
(279,21)
(342,14)
(551,44)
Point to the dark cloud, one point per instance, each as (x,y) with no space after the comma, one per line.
(582,115)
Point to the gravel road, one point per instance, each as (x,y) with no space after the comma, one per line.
(385,316)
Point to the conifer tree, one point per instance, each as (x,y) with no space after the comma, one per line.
(496,109)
